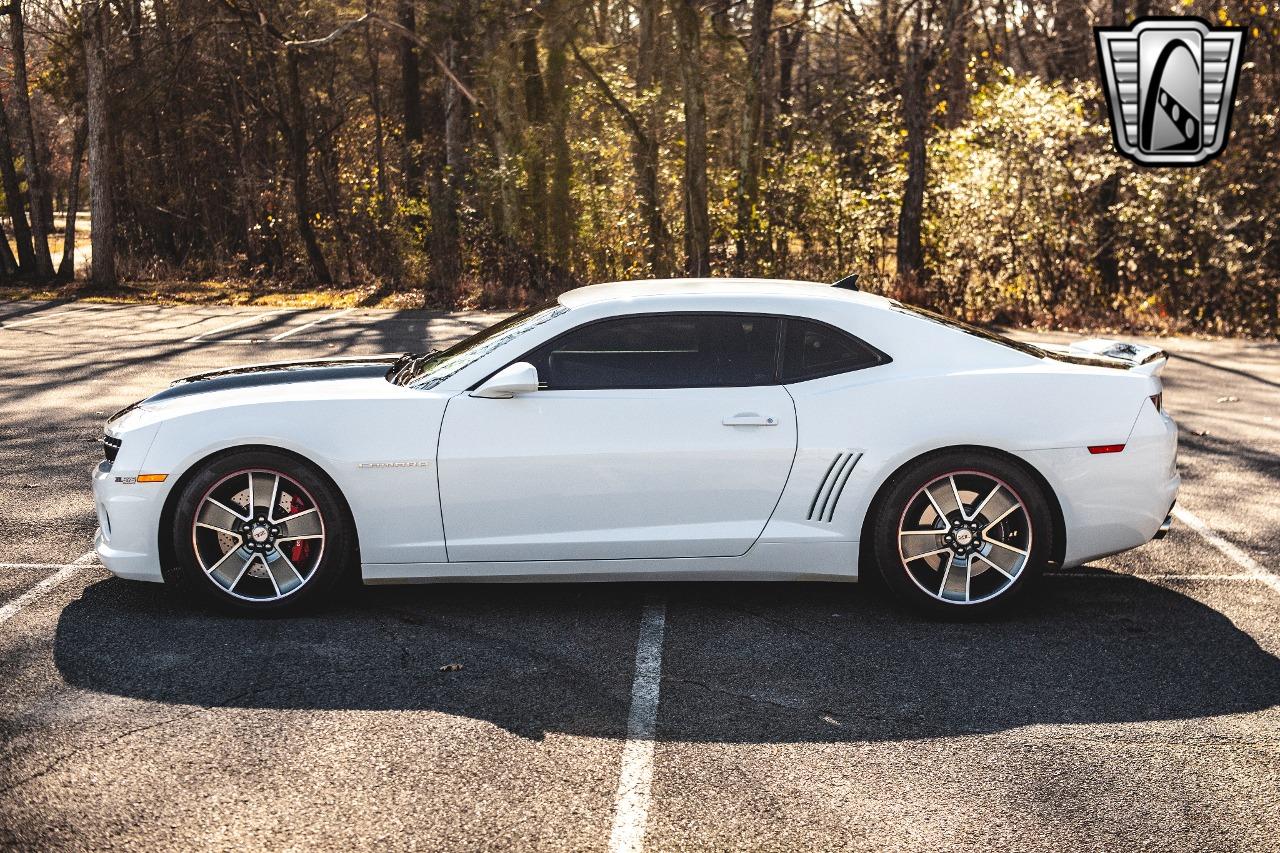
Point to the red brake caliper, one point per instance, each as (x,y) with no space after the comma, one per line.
(301,546)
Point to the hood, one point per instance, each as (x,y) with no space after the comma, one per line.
(278,373)
(274,374)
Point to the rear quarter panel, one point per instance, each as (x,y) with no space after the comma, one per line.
(943,389)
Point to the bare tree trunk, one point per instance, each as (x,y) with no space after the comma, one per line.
(915,117)
(697,224)
(747,194)
(644,145)
(446,261)
(37,185)
(375,102)
(299,149)
(560,213)
(8,264)
(458,121)
(505,133)
(1072,40)
(535,106)
(644,149)
(601,20)
(955,78)
(102,269)
(1107,263)
(13,197)
(789,41)
(159,221)
(67,266)
(261,237)
(411,96)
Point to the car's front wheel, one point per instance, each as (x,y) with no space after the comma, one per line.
(962,533)
(259,531)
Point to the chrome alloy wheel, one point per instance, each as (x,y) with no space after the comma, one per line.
(258,535)
(964,537)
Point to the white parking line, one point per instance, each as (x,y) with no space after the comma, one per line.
(80,309)
(1110,576)
(631,803)
(324,319)
(11,609)
(243,321)
(38,565)
(264,341)
(1230,551)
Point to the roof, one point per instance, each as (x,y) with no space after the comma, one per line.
(597,293)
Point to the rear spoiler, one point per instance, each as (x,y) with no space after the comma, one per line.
(1140,358)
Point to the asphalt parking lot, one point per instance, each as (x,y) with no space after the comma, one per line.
(1131,704)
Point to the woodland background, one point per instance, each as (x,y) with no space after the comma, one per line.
(491,153)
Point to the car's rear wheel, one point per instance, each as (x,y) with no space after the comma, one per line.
(259,531)
(963,534)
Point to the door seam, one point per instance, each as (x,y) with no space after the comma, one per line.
(444,531)
(795,452)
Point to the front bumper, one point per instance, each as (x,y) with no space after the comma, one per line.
(128,523)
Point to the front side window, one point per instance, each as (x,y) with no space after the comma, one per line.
(663,351)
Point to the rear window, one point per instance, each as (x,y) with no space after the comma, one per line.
(969,329)
(811,350)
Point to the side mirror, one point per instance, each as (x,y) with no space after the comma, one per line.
(518,378)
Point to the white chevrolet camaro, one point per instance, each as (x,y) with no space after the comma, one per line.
(661,430)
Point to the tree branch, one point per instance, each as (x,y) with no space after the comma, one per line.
(373,18)
(628,116)
(347,26)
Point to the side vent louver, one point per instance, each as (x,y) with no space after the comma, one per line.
(823,506)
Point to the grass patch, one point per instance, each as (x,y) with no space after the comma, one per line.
(229,291)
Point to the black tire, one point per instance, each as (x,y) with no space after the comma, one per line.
(983,554)
(265,583)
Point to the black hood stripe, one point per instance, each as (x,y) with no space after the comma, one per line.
(284,373)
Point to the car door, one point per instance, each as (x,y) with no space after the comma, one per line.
(652,436)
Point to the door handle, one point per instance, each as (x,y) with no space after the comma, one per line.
(749,419)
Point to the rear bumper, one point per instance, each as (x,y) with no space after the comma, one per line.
(1113,502)
(128,520)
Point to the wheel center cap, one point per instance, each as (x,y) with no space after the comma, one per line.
(259,533)
(963,537)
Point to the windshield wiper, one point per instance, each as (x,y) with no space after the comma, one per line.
(393,372)
(406,367)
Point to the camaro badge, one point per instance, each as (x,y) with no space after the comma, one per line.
(1170,83)
(409,463)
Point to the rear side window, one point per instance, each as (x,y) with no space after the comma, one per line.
(813,350)
(663,351)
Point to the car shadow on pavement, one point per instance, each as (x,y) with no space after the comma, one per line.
(742,663)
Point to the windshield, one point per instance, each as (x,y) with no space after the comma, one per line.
(430,369)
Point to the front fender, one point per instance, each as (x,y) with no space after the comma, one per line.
(380,455)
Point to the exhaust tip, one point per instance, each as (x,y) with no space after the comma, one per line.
(1164,528)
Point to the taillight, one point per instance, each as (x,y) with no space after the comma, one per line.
(1158,401)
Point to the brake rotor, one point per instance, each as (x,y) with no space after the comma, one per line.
(241,500)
